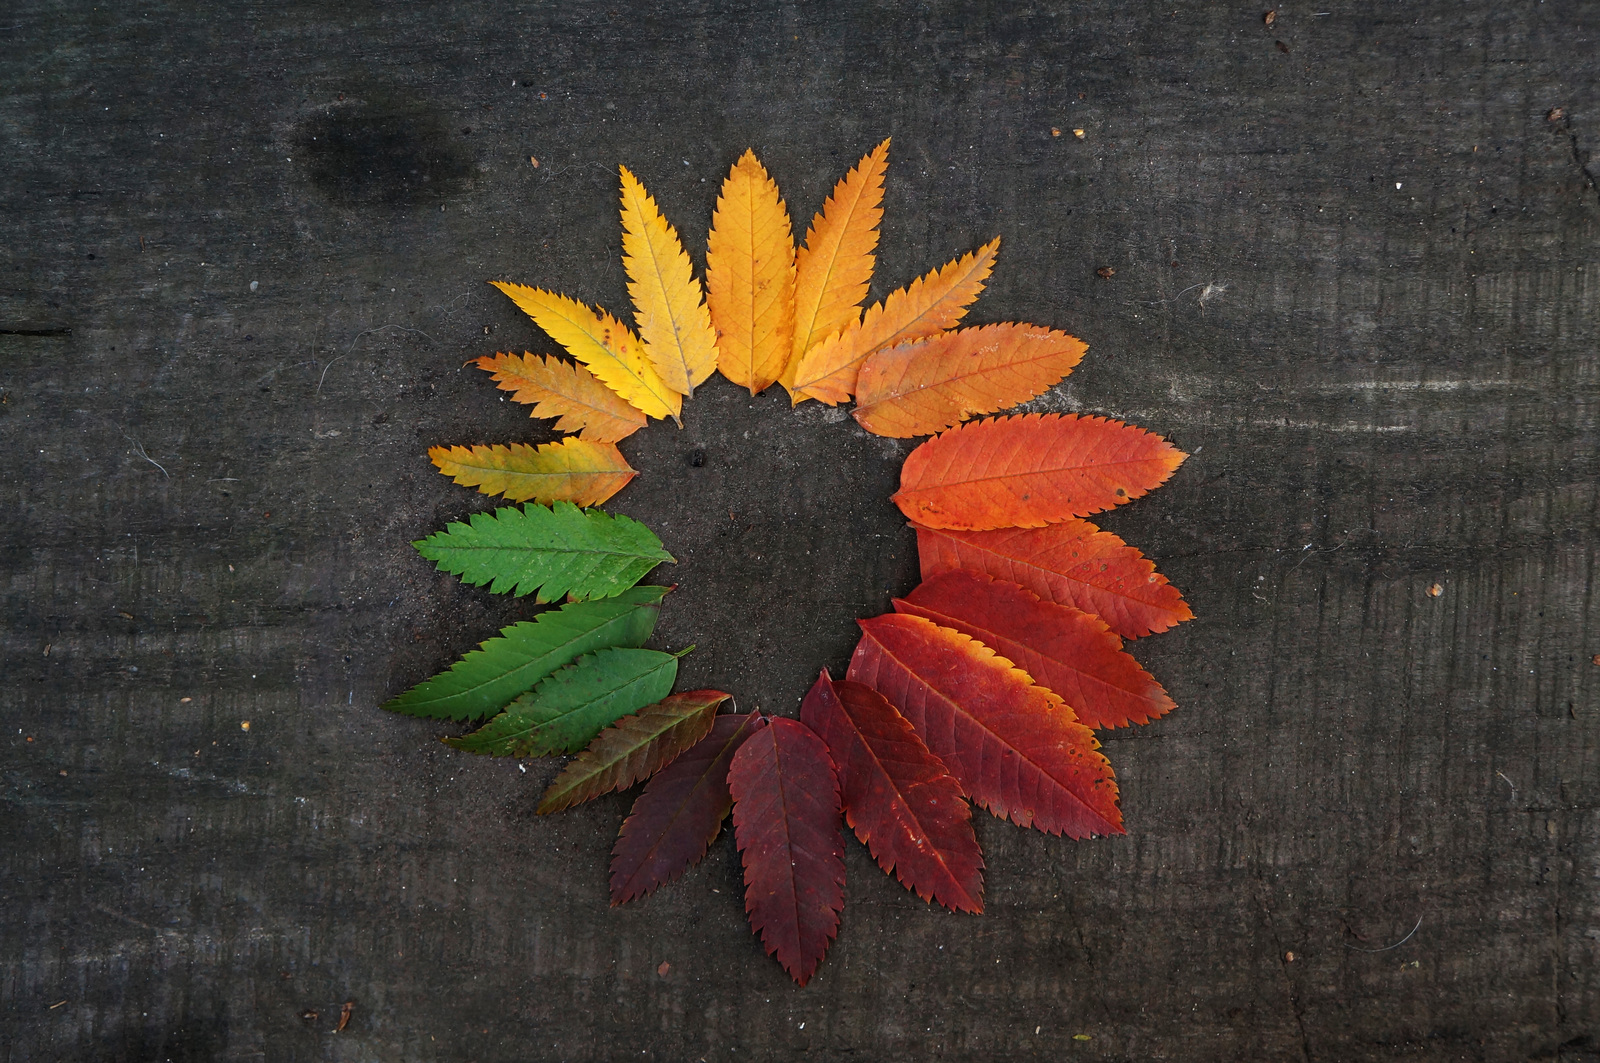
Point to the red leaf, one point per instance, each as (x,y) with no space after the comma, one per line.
(1064,649)
(786,819)
(901,801)
(1024,472)
(1015,746)
(680,812)
(1071,563)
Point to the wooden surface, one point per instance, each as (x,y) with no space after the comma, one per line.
(1355,276)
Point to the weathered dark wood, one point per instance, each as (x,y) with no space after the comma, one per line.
(1355,276)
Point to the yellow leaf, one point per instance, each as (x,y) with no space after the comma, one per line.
(931,304)
(570,392)
(668,302)
(607,346)
(834,269)
(570,470)
(927,385)
(750,277)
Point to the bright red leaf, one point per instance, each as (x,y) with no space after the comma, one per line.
(899,798)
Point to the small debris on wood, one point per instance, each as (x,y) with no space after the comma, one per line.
(1284,48)
(1078,133)
(534,161)
(1556,114)
(344,1015)
(1593,660)
(244,725)
(1054,131)
(1288,957)
(665,969)
(1435,590)
(310,1015)
(1105,272)
(1270,17)
(57,1004)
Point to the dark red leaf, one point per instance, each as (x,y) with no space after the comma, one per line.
(903,804)
(680,812)
(786,819)
(1067,650)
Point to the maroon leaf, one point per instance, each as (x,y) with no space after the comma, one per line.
(680,812)
(786,819)
(903,804)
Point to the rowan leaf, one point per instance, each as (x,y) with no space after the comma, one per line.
(931,304)
(568,470)
(898,797)
(680,813)
(570,393)
(1027,471)
(750,277)
(566,710)
(834,268)
(927,385)
(634,748)
(608,347)
(668,302)
(1070,563)
(558,552)
(1063,649)
(488,678)
(1016,747)
(786,820)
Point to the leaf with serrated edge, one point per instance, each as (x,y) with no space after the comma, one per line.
(1064,649)
(786,820)
(569,393)
(1025,472)
(634,748)
(668,302)
(834,268)
(927,385)
(484,681)
(931,304)
(1016,748)
(903,804)
(750,277)
(607,346)
(1071,563)
(568,470)
(561,552)
(680,813)
(565,711)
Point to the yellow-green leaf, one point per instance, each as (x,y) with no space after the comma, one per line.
(570,470)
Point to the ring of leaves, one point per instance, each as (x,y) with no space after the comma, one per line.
(984,685)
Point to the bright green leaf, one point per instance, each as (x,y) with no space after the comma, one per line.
(557,552)
(485,680)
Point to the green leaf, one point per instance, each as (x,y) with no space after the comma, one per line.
(564,712)
(558,552)
(485,680)
(634,748)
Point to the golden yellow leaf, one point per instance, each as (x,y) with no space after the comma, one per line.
(569,392)
(569,470)
(607,346)
(668,302)
(750,277)
(931,304)
(834,268)
(927,385)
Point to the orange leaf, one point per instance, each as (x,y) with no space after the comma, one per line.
(750,277)
(1064,649)
(1071,563)
(1024,472)
(931,304)
(834,268)
(569,392)
(569,470)
(668,302)
(928,385)
(1015,747)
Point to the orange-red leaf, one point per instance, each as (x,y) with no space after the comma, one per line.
(750,277)
(1064,649)
(786,820)
(931,304)
(1024,472)
(1071,563)
(633,748)
(902,802)
(569,392)
(927,385)
(680,812)
(1016,747)
(569,470)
